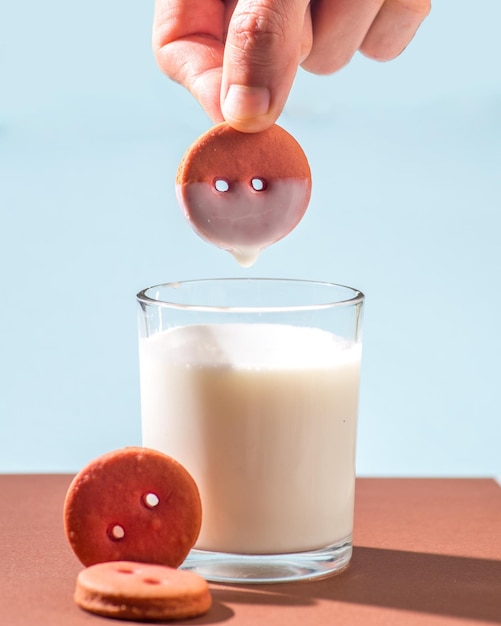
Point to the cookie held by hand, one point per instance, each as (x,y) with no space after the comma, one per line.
(133,504)
(244,191)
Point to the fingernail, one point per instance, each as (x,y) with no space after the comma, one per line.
(243,103)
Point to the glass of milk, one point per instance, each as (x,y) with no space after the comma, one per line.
(252,384)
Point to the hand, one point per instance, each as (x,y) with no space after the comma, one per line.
(239,57)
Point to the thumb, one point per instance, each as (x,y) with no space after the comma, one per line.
(265,43)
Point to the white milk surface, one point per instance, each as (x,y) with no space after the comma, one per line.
(264,418)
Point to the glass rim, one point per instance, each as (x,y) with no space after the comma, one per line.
(356,299)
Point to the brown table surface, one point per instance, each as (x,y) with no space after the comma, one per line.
(427,551)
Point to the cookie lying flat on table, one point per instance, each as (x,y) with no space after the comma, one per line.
(133,504)
(244,191)
(140,591)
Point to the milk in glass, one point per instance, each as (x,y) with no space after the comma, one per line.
(264,418)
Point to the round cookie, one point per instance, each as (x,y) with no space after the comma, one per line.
(244,191)
(133,504)
(141,591)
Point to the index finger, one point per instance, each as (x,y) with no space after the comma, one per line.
(188,43)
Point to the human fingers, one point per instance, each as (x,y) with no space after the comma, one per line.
(381,29)
(339,28)
(265,42)
(394,27)
(188,43)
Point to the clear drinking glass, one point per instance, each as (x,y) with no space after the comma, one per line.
(252,384)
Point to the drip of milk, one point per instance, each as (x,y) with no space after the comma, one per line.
(246,257)
(264,418)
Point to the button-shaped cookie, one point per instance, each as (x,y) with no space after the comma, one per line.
(141,591)
(133,504)
(244,191)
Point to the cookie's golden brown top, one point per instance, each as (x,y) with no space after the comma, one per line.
(227,153)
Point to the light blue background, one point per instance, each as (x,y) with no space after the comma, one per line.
(406,159)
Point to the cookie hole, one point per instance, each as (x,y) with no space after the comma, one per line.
(151,581)
(116,532)
(150,500)
(221,185)
(258,184)
(123,570)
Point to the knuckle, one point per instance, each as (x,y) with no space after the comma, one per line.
(258,33)
(423,8)
(418,8)
(391,36)
(324,64)
(382,50)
